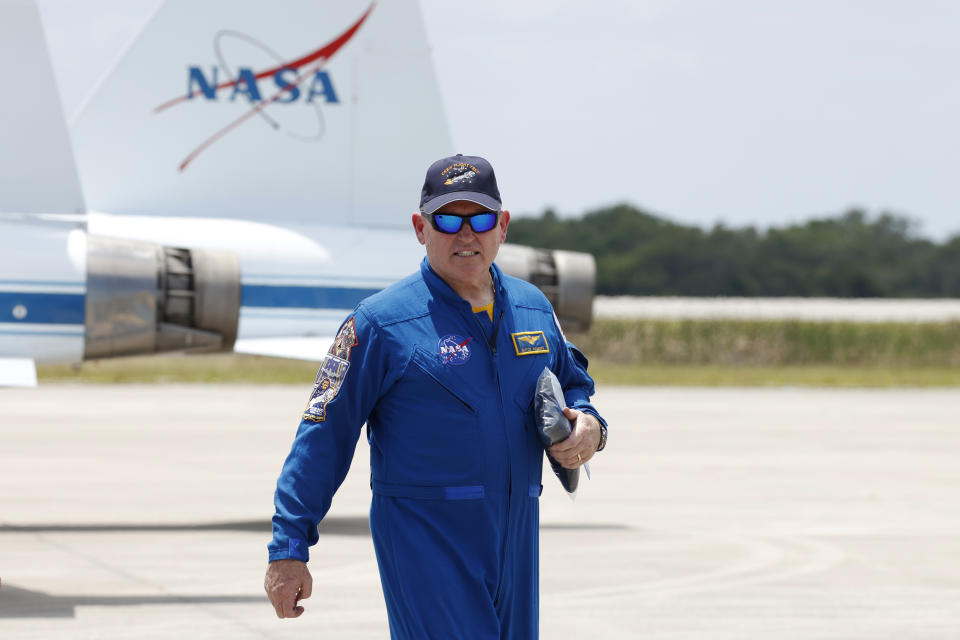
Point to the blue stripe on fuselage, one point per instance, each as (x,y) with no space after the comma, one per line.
(42,308)
(69,308)
(258,295)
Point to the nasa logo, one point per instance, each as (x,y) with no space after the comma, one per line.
(300,80)
(453,349)
(245,84)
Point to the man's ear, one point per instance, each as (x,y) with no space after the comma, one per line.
(504,223)
(417,221)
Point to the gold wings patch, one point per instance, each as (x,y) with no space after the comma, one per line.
(527,343)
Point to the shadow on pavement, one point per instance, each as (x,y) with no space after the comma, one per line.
(334,525)
(23,603)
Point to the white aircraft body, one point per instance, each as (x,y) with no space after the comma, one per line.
(240,179)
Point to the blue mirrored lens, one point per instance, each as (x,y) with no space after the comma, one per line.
(483,222)
(451,222)
(448,223)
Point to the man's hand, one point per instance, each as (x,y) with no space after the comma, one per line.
(286,583)
(583,440)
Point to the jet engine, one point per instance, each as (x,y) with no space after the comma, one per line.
(146,298)
(566,277)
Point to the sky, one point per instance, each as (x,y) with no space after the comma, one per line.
(742,112)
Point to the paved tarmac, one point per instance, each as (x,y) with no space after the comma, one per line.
(143,512)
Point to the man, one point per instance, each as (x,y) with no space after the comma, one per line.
(442,367)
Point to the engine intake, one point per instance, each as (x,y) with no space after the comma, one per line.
(146,298)
(567,278)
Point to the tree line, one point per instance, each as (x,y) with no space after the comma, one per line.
(853,255)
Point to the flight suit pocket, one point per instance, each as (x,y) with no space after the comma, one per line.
(444,447)
(427,363)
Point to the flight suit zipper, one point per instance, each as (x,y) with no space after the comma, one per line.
(492,343)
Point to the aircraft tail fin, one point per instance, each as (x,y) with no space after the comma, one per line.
(37,169)
(295,111)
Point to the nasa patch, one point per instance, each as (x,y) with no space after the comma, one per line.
(453,349)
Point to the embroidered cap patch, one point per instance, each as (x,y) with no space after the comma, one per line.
(527,343)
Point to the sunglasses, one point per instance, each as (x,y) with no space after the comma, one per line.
(452,222)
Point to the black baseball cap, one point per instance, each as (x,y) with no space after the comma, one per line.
(460,177)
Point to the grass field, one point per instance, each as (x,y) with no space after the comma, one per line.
(773,343)
(787,376)
(647,352)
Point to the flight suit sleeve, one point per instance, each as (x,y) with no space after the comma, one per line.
(348,384)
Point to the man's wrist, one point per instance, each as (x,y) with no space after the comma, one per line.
(289,549)
(603,436)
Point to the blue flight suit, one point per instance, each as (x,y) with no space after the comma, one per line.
(455,460)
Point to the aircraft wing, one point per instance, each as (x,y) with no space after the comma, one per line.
(307,348)
(18,372)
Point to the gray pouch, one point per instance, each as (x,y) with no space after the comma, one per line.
(552,425)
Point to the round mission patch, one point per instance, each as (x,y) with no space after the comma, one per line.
(453,349)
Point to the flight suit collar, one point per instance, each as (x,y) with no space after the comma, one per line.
(439,287)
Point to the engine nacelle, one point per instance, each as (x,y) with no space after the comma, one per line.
(146,298)
(567,278)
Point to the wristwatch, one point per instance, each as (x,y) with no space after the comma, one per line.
(603,437)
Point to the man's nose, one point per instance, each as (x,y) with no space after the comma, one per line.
(465,232)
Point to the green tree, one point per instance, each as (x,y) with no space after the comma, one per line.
(850,255)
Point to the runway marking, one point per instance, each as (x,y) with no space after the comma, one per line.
(766,561)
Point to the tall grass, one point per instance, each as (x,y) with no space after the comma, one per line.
(218,367)
(771,343)
(635,351)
